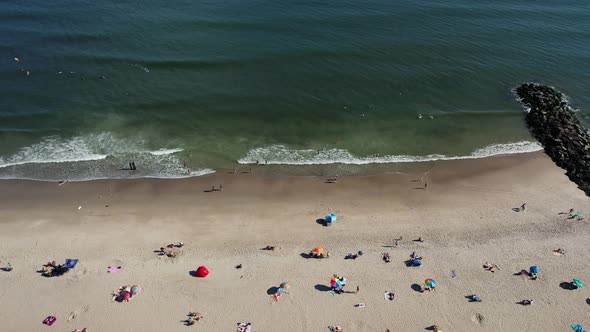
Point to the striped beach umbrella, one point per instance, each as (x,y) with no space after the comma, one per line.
(430,283)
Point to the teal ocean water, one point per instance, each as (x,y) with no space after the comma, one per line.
(217,84)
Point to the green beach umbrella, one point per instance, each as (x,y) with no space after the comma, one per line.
(578,283)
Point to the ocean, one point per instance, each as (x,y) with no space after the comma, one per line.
(190,87)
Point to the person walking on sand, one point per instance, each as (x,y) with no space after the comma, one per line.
(220,188)
(522,206)
(357,289)
(425,185)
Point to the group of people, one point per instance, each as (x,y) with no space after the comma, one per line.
(52,269)
(171,250)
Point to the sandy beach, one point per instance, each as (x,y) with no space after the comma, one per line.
(465,217)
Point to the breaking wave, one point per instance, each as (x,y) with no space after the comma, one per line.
(282,155)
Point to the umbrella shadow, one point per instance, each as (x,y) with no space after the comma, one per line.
(322,222)
(272,290)
(416,288)
(6,269)
(192,273)
(516,209)
(588,301)
(567,285)
(322,288)
(305,255)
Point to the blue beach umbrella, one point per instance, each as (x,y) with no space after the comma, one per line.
(331,217)
(534,269)
(577,327)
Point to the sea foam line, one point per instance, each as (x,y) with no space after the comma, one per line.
(282,155)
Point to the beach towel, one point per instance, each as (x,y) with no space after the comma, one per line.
(244,327)
(49,320)
(70,263)
(113,269)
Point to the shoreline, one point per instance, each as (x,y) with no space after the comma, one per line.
(292,162)
(465,217)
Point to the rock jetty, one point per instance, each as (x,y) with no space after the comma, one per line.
(555,125)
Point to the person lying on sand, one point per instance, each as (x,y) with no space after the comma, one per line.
(526,302)
(559,252)
(490,267)
(268,248)
(351,256)
(474,298)
(82,330)
(386,258)
(414,255)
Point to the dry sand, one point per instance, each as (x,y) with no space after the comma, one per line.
(465,217)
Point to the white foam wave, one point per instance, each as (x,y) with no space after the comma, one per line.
(282,155)
(53,150)
(80,148)
(163,152)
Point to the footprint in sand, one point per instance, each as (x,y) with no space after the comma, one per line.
(76,313)
(477,318)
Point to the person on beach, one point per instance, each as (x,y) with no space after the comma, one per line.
(522,206)
(559,252)
(220,188)
(490,267)
(526,302)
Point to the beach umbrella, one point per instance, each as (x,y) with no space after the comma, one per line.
(135,289)
(202,272)
(577,327)
(318,250)
(430,283)
(578,283)
(335,282)
(331,217)
(285,285)
(534,269)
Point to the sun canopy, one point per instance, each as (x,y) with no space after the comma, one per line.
(202,272)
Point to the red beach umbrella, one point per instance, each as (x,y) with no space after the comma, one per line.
(202,272)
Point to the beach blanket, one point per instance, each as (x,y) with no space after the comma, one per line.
(244,327)
(70,263)
(113,269)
